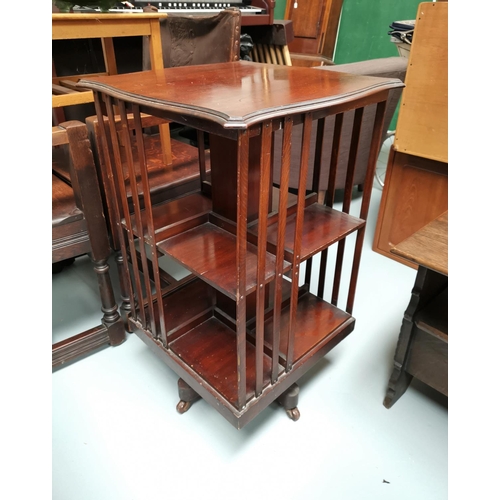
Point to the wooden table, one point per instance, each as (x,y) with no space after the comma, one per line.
(422,349)
(106,26)
(242,328)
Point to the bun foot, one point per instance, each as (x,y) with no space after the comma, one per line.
(183,406)
(294,414)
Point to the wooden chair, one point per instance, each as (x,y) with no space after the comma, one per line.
(79,228)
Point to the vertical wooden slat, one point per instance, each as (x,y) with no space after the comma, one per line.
(334,159)
(133,181)
(280,243)
(346,206)
(200,135)
(330,194)
(279,55)
(299,219)
(149,218)
(365,203)
(115,141)
(265,170)
(274,59)
(320,132)
(112,168)
(108,51)
(241,254)
(125,279)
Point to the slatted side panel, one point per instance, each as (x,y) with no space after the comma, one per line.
(113,171)
(299,219)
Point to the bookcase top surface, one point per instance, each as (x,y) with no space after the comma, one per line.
(239,94)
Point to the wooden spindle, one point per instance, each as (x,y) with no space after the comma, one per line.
(299,219)
(346,206)
(241,256)
(133,181)
(330,194)
(265,171)
(149,218)
(286,149)
(110,173)
(365,203)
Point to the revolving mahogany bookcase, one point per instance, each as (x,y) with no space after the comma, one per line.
(244,325)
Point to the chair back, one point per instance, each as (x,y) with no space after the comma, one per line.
(189,40)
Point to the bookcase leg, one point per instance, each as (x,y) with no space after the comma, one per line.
(187,396)
(289,400)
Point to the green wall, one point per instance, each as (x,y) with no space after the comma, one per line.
(363,29)
(279,9)
(364,25)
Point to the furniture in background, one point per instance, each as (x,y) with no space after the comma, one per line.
(422,348)
(241,328)
(416,182)
(79,228)
(270,43)
(106,27)
(315,27)
(389,67)
(186,40)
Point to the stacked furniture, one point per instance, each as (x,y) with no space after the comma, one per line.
(79,228)
(416,181)
(245,324)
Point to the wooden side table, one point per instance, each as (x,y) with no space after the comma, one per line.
(106,26)
(422,349)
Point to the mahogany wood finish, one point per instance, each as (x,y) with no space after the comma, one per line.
(186,40)
(79,227)
(422,349)
(241,328)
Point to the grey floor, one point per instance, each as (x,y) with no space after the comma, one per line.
(116,434)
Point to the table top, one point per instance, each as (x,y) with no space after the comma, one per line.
(428,247)
(240,94)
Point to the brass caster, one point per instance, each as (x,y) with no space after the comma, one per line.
(183,406)
(294,414)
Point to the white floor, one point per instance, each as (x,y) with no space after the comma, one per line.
(116,434)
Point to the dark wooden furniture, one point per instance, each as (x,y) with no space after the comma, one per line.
(79,228)
(186,40)
(422,349)
(245,325)
(315,27)
(416,182)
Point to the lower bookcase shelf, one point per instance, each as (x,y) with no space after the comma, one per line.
(202,349)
